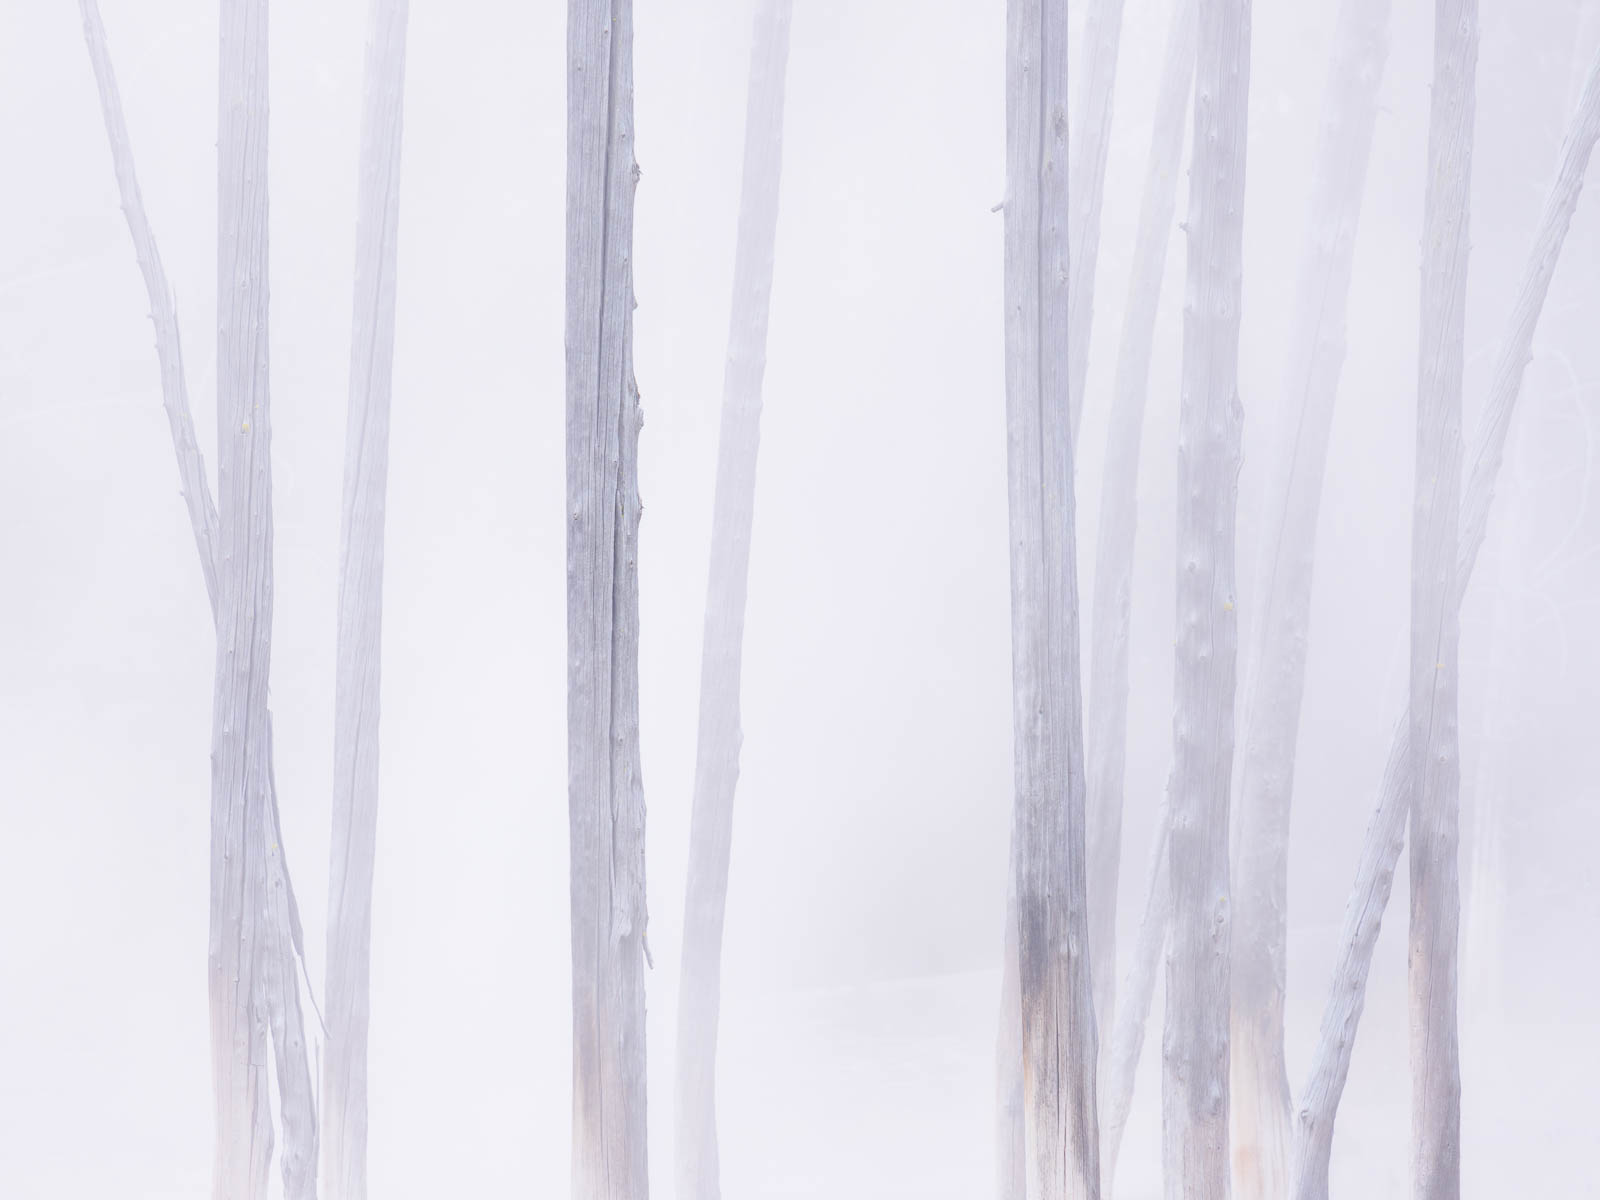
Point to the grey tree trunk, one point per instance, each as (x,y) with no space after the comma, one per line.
(1386,834)
(359,647)
(239,748)
(1091,142)
(1054,989)
(1195,1044)
(605,795)
(1262,1128)
(717,755)
(1107,733)
(1435,617)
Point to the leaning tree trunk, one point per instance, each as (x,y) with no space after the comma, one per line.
(1107,733)
(358,655)
(717,757)
(1319,1101)
(1054,990)
(239,746)
(1435,617)
(1195,1044)
(604,794)
(1262,1130)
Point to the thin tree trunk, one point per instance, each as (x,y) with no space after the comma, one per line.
(285,943)
(1091,142)
(359,648)
(717,757)
(1055,994)
(605,796)
(240,770)
(1262,1128)
(1011,1125)
(1138,989)
(1195,1085)
(1386,834)
(1107,733)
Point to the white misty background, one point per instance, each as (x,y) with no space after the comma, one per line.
(869,863)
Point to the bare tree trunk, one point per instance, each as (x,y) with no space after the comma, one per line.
(1435,617)
(1055,994)
(1091,141)
(1139,989)
(1011,1125)
(1195,1090)
(1107,735)
(1262,1129)
(239,769)
(1385,836)
(359,648)
(605,795)
(717,758)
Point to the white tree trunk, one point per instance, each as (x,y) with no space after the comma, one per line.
(1386,834)
(239,746)
(358,655)
(1055,994)
(1091,141)
(717,757)
(1195,1082)
(1262,1128)
(1138,991)
(1435,616)
(605,795)
(1107,733)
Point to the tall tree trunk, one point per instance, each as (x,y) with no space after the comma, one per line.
(1262,1130)
(1435,617)
(1107,734)
(1386,834)
(605,795)
(1195,1086)
(359,648)
(1055,994)
(239,747)
(1091,142)
(717,755)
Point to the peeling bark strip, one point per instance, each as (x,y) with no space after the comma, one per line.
(717,753)
(1275,684)
(605,797)
(239,746)
(1195,1081)
(359,658)
(1386,834)
(1119,498)
(1435,616)
(1057,1005)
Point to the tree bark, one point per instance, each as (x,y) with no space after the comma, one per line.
(240,770)
(1091,142)
(1195,1091)
(359,646)
(1262,1128)
(605,796)
(733,513)
(1107,734)
(1435,618)
(1386,834)
(1054,992)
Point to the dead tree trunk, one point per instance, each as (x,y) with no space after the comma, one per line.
(1054,989)
(1262,1130)
(605,795)
(1195,1044)
(1435,617)
(733,513)
(1107,734)
(1385,836)
(358,653)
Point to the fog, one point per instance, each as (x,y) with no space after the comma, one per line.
(867,897)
